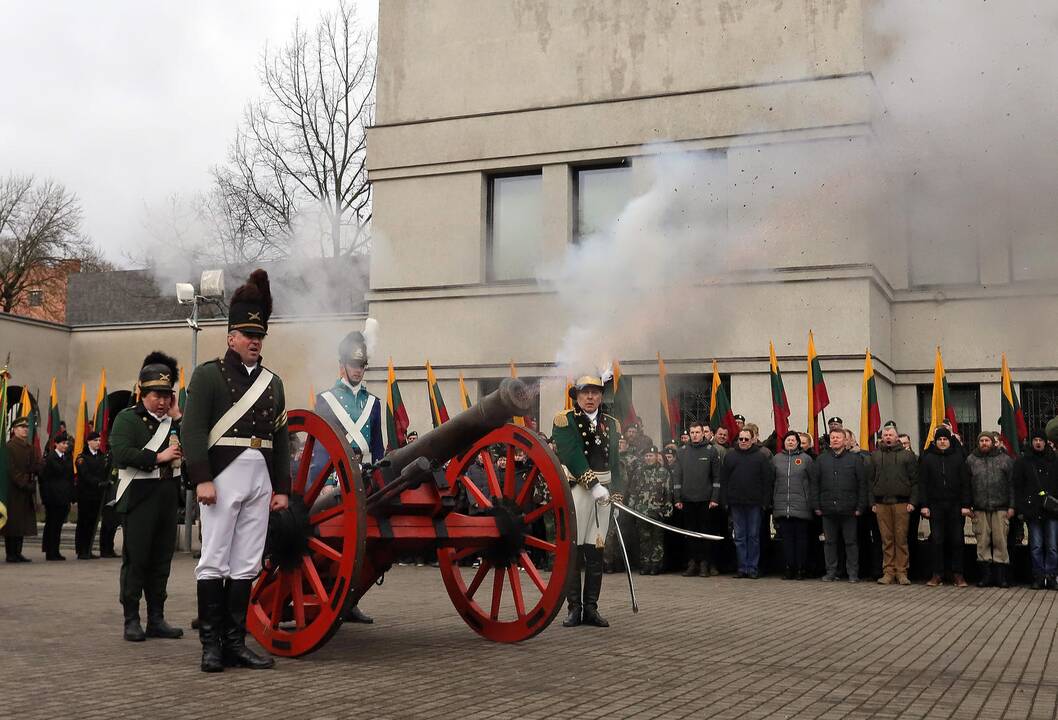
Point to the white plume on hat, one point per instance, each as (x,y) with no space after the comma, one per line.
(371,335)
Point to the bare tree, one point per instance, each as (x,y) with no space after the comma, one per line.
(297,168)
(40,226)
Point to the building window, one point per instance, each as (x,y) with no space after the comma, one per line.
(1039,402)
(514,222)
(35,298)
(693,394)
(966,398)
(489,385)
(601,194)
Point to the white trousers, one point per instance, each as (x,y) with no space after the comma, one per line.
(593,518)
(234,528)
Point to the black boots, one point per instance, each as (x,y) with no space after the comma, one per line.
(157,627)
(592,589)
(986,574)
(692,569)
(1002,575)
(133,630)
(211,601)
(574,617)
(236,654)
(354,614)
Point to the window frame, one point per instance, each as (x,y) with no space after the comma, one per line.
(612,164)
(490,178)
(924,394)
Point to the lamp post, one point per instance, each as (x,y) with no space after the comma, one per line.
(211,285)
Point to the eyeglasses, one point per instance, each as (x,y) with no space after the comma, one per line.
(744,439)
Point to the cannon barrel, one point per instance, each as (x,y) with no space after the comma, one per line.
(512,398)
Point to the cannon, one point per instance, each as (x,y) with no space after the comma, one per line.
(342,532)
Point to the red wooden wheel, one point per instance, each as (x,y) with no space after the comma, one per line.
(314,548)
(509,597)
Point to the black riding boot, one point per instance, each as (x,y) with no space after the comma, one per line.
(1002,575)
(157,627)
(133,629)
(211,623)
(986,574)
(573,601)
(355,615)
(592,588)
(236,654)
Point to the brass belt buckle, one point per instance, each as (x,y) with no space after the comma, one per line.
(255,442)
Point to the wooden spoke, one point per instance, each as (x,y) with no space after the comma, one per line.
(261,585)
(531,571)
(524,493)
(533,516)
(309,568)
(317,485)
(490,473)
(516,590)
(533,541)
(497,594)
(325,515)
(276,614)
(298,598)
(509,475)
(322,548)
(303,466)
(479,576)
(465,553)
(475,492)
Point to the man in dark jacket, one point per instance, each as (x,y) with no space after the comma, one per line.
(990,470)
(23,465)
(746,479)
(1035,479)
(93,473)
(56,492)
(839,496)
(944,493)
(894,493)
(695,482)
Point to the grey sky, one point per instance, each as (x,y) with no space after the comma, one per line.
(127,102)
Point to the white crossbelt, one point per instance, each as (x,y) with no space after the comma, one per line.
(127,475)
(227,420)
(354,431)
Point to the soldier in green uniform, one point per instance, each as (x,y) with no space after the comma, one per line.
(587,446)
(238,458)
(613,558)
(652,497)
(145,449)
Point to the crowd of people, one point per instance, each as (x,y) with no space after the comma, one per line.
(864,509)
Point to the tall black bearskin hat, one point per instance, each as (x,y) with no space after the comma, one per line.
(159,372)
(251,305)
(352,350)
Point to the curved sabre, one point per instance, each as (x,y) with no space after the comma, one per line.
(663,526)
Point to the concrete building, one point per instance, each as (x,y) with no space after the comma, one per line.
(506,131)
(511,134)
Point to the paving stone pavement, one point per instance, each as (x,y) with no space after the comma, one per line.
(699,648)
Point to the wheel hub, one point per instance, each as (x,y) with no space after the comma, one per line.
(510,521)
(288,532)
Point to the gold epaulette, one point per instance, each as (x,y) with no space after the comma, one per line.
(562,419)
(616,422)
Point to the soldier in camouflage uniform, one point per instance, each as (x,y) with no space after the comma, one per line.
(652,496)
(613,558)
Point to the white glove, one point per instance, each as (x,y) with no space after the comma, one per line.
(600,493)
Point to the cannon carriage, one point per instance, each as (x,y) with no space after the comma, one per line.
(342,532)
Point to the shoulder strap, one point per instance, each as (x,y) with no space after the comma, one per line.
(127,475)
(354,430)
(236,411)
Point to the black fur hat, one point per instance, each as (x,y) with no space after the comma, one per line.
(158,372)
(251,305)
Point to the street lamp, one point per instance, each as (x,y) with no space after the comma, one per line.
(211,292)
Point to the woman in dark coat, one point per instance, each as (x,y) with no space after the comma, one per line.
(56,492)
(791,506)
(24,464)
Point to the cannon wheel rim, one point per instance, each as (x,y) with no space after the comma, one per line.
(339,558)
(507,582)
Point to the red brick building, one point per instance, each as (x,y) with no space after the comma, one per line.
(45,295)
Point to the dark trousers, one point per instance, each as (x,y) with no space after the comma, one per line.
(745,525)
(149,541)
(946,538)
(716,524)
(108,528)
(696,519)
(840,531)
(88,502)
(1043,546)
(13,546)
(794,533)
(54,517)
(589,559)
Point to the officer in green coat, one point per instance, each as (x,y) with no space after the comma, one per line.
(238,458)
(587,441)
(145,448)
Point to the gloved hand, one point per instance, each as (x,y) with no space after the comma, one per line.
(600,493)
